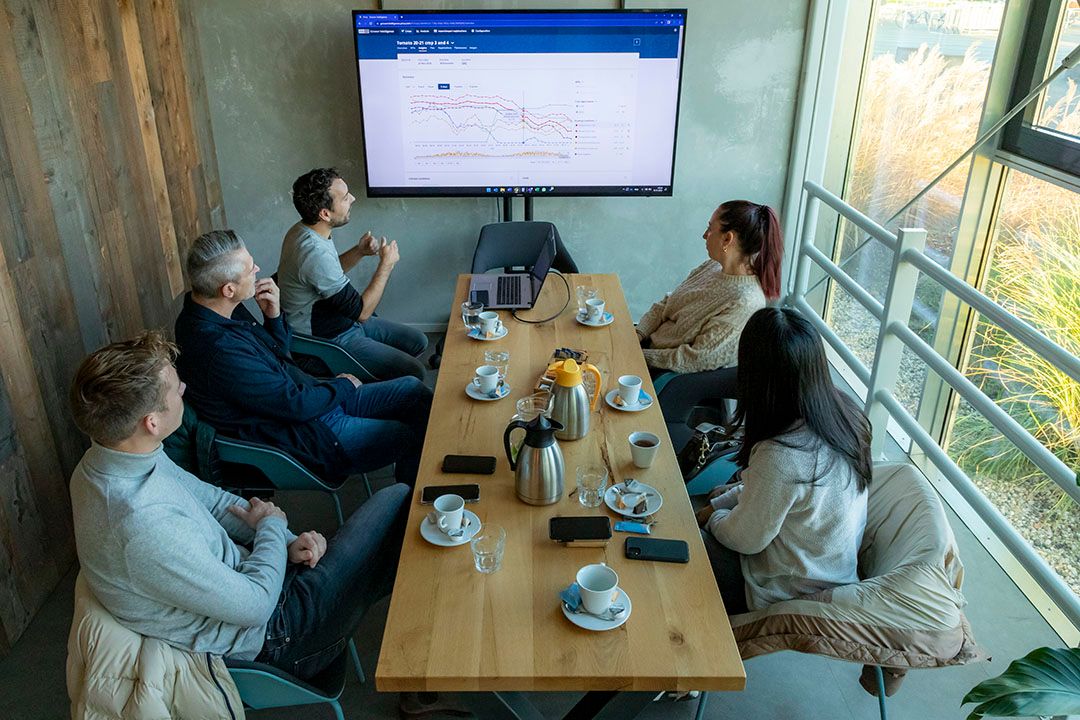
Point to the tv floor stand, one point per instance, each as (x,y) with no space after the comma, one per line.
(508,207)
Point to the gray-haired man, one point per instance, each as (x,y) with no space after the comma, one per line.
(242,380)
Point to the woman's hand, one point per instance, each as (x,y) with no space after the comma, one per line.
(704,515)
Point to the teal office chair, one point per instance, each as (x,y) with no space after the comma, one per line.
(264,686)
(317,356)
(280,470)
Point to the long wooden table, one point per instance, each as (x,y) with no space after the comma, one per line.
(451,628)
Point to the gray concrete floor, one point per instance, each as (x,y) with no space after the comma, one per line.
(785,685)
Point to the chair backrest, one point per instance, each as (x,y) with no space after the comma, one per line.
(905,524)
(518,243)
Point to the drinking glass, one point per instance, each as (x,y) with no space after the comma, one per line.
(500,359)
(487,548)
(591,481)
(470,314)
(584,292)
(528,408)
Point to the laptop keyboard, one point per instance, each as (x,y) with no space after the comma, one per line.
(508,290)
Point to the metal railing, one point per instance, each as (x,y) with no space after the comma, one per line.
(909,260)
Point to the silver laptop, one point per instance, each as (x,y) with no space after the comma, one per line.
(513,290)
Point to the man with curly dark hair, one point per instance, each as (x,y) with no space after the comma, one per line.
(316,293)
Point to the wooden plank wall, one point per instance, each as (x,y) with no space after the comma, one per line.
(107,173)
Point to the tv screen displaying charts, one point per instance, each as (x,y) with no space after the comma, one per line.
(518,102)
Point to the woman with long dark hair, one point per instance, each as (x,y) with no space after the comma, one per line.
(696,327)
(792,523)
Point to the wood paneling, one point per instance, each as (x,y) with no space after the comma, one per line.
(107,173)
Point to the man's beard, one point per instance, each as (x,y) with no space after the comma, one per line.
(339,223)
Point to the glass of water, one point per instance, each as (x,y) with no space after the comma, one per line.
(488,547)
(584,293)
(500,359)
(470,314)
(591,481)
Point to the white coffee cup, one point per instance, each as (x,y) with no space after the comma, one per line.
(594,309)
(643,447)
(487,378)
(596,584)
(489,322)
(448,513)
(629,389)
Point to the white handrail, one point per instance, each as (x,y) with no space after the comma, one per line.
(1046,461)
(1029,336)
(858,219)
(1044,575)
(895,313)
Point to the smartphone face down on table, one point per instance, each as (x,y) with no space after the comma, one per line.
(469,493)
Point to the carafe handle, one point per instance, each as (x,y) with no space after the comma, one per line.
(506,441)
(599,383)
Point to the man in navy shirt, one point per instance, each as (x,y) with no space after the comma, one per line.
(242,380)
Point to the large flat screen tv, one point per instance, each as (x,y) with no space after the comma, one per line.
(518,102)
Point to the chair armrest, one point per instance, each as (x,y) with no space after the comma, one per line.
(335,357)
(283,472)
(264,686)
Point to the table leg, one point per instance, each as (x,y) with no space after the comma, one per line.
(501,706)
(609,705)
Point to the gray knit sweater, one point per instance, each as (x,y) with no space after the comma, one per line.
(796,538)
(157,548)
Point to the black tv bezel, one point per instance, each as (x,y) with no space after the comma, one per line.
(579,191)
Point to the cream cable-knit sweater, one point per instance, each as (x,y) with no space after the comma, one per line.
(697,326)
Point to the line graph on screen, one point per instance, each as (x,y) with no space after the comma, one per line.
(454,121)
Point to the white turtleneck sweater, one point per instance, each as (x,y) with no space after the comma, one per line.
(158,548)
(697,327)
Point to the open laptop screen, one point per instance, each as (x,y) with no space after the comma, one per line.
(543,263)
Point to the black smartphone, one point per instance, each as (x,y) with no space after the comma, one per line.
(579,530)
(469,493)
(469,464)
(641,548)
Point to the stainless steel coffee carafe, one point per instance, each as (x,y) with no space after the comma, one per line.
(570,402)
(538,468)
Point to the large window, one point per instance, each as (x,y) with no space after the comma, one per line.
(1034,271)
(1008,222)
(920,103)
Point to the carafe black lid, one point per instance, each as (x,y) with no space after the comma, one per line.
(540,431)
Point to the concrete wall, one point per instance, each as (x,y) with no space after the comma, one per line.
(283,98)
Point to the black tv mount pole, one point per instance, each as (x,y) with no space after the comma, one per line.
(508,207)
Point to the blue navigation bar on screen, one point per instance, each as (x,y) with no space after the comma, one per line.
(538,19)
(646,42)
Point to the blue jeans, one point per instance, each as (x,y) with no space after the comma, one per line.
(319,608)
(383,423)
(386,349)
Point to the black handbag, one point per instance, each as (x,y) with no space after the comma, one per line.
(708,443)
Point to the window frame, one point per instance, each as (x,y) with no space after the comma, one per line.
(1020,136)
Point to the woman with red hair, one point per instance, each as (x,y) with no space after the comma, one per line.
(696,327)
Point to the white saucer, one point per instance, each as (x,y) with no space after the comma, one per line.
(430,532)
(644,402)
(476,394)
(652,503)
(475,334)
(606,320)
(591,622)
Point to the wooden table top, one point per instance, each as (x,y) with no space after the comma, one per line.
(451,628)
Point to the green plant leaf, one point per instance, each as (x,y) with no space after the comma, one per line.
(1044,682)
